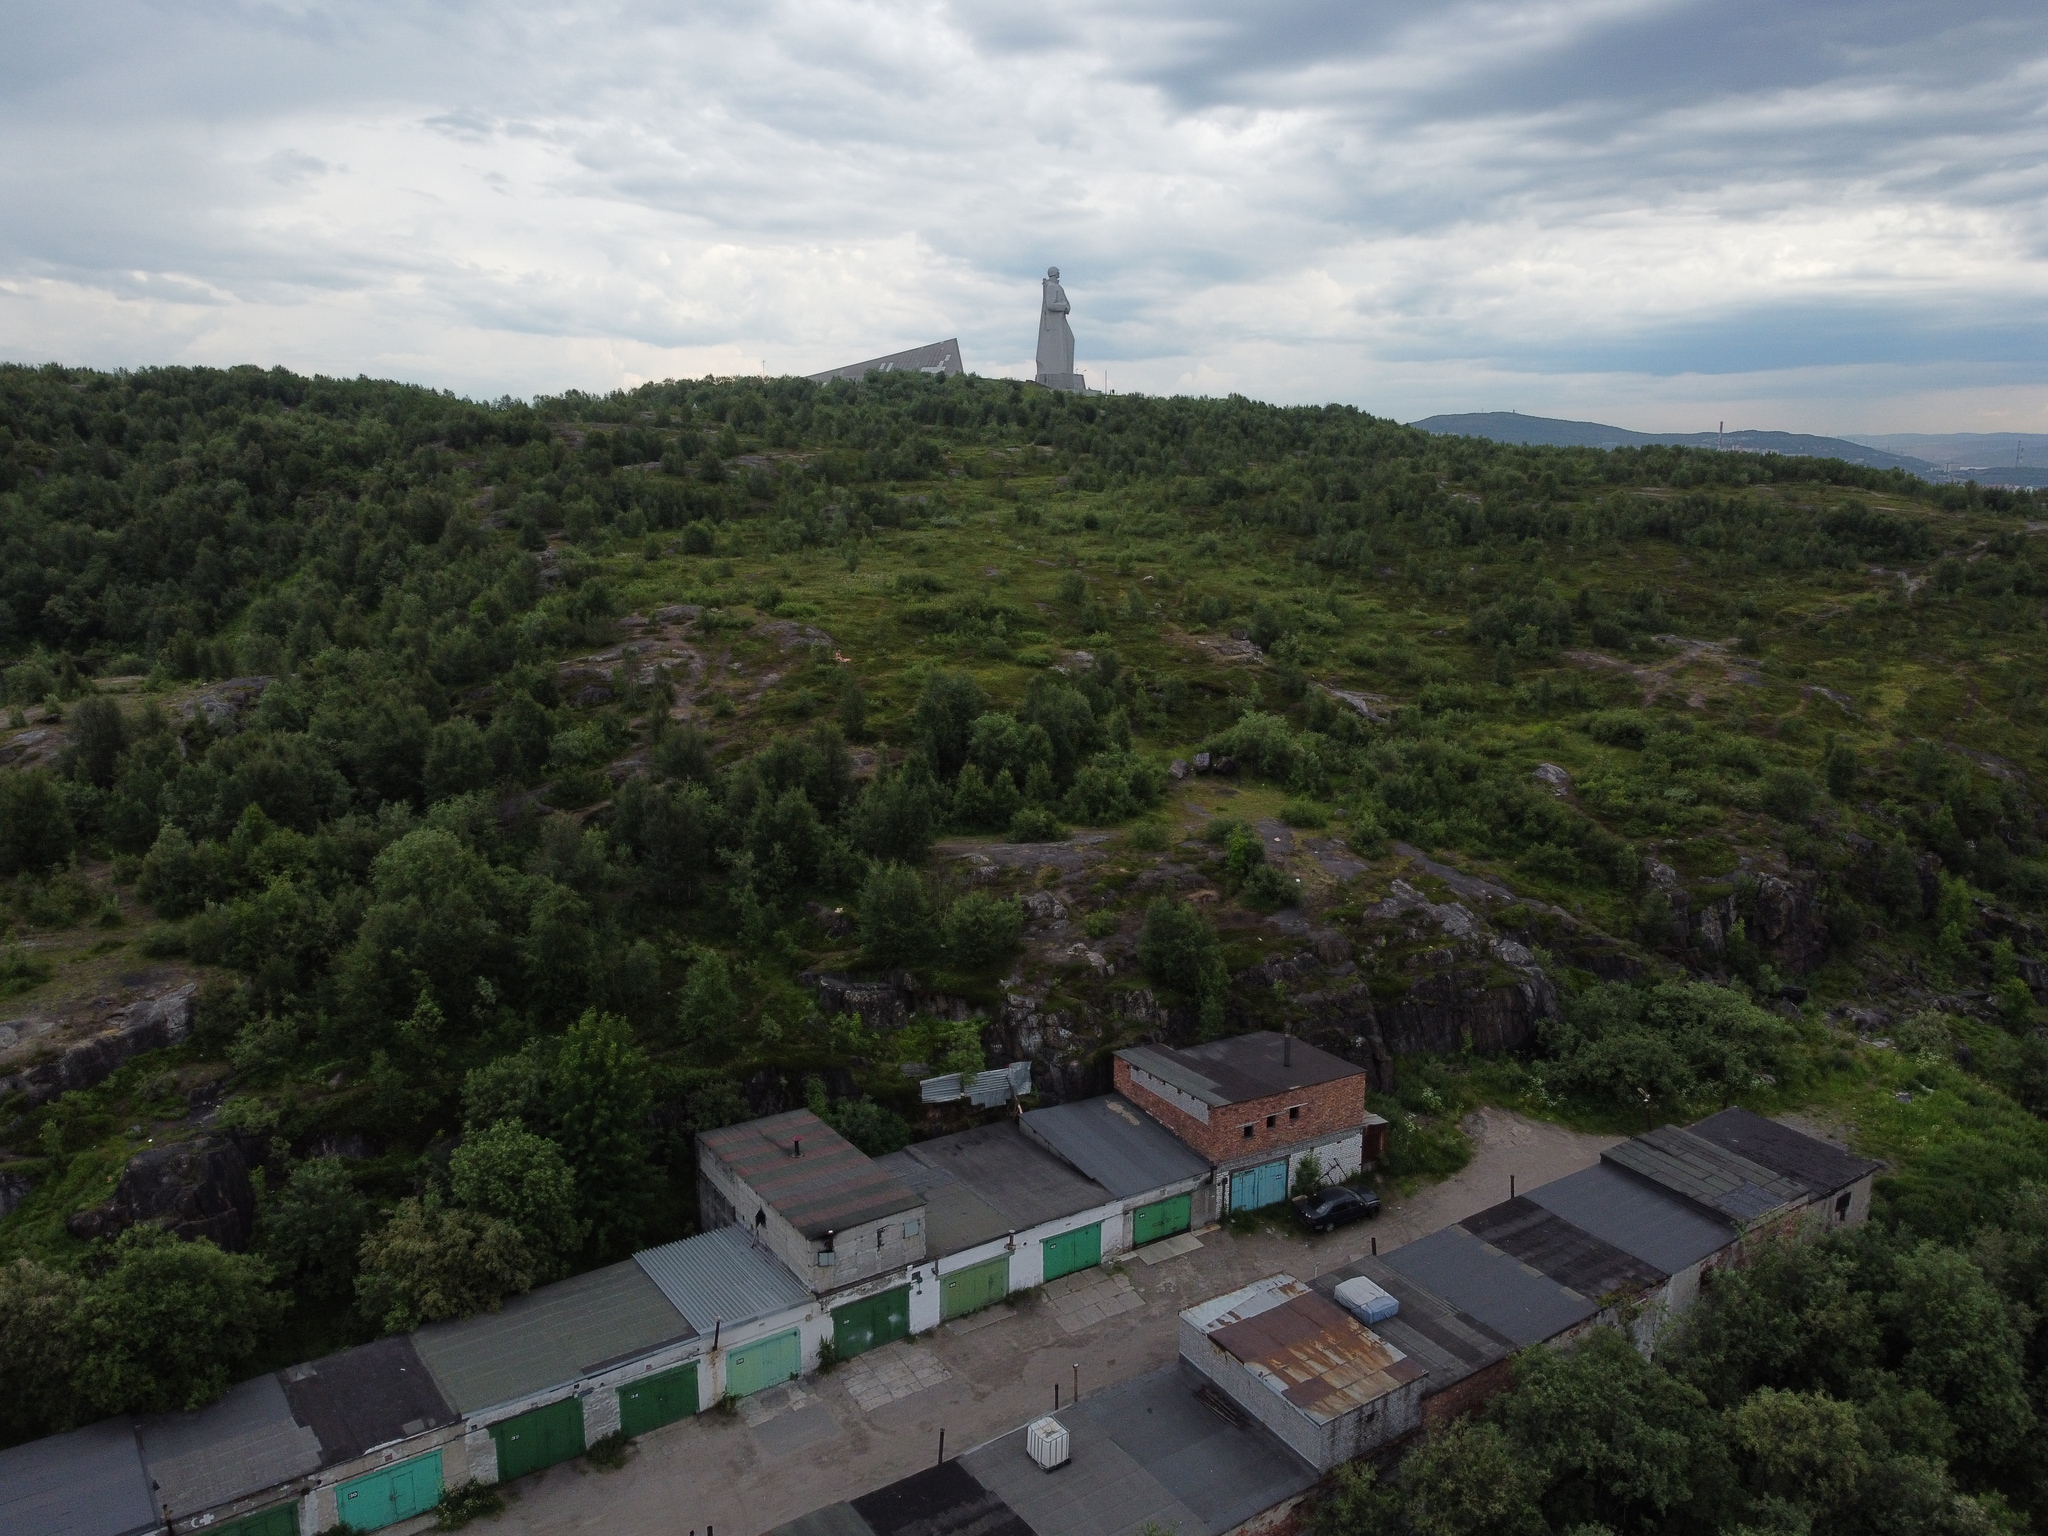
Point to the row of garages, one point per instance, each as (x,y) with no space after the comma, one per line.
(371,1438)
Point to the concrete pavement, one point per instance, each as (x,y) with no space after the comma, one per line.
(878,1417)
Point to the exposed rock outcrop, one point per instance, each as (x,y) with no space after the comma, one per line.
(148,1025)
(192,1189)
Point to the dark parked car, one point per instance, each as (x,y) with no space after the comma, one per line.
(1335,1206)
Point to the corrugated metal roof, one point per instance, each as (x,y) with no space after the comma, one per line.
(1303,1347)
(1636,1216)
(1708,1175)
(246,1442)
(1013,1173)
(365,1397)
(721,1276)
(1243,1067)
(831,1186)
(551,1337)
(1820,1168)
(1510,1298)
(1121,1148)
(1450,1344)
(955,1217)
(1538,1237)
(87,1483)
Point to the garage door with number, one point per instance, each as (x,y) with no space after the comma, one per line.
(871,1322)
(977,1286)
(1072,1251)
(390,1494)
(1164,1218)
(653,1401)
(766,1363)
(1252,1188)
(539,1439)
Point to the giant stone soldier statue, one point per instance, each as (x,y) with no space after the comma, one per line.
(1056,337)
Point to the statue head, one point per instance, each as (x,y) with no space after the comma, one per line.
(1053,273)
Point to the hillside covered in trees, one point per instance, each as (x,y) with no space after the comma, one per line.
(419,818)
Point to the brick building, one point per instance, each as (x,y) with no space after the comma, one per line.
(1254,1106)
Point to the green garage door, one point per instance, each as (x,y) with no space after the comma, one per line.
(1072,1251)
(390,1494)
(278,1520)
(1251,1188)
(871,1322)
(539,1438)
(767,1363)
(1149,1223)
(977,1286)
(653,1401)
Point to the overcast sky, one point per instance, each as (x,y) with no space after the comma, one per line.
(1660,213)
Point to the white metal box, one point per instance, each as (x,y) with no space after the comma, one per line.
(1046,1440)
(1366,1301)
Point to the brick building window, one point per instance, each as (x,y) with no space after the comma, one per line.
(1248,1132)
(1271,1121)
(1294,1111)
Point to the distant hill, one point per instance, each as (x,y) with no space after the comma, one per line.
(1986,457)
(1513,427)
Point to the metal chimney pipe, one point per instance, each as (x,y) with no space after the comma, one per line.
(1287,1049)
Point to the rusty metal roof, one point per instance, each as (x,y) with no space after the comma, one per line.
(1304,1347)
(831,1186)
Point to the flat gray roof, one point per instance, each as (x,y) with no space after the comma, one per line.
(1012,1172)
(1635,1216)
(1538,1237)
(365,1397)
(1448,1343)
(1711,1176)
(550,1337)
(1510,1298)
(1820,1166)
(955,1217)
(246,1442)
(1116,1144)
(87,1483)
(1243,1067)
(721,1276)
(1145,1452)
(814,1177)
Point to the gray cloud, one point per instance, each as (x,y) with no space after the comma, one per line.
(1830,209)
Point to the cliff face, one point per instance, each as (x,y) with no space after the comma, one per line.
(1404,974)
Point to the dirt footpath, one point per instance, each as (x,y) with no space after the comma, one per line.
(878,1418)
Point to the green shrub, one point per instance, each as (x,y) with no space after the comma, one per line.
(1268,888)
(1035,824)
(895,917)
(471,1501)
(1304,813)
(981,929)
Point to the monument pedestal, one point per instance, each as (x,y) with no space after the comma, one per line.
(1073,381)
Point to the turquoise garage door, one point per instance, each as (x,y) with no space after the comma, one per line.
(1251,1188)
(390,1494)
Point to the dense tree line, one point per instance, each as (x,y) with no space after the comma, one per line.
(529,936)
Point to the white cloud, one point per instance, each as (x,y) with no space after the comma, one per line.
(1812,217)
